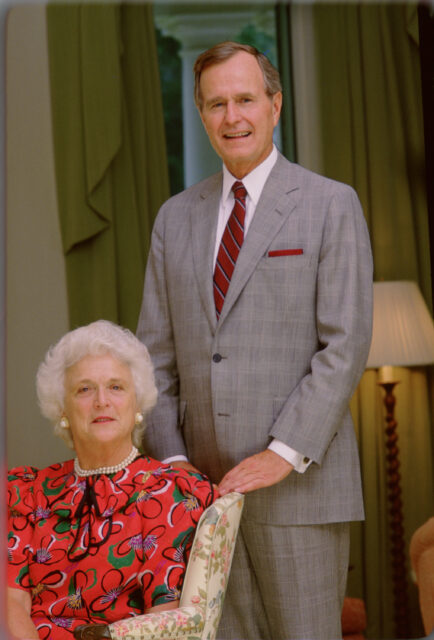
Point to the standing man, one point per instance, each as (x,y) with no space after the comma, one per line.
(257,314)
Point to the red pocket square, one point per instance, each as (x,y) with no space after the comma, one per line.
(285,252)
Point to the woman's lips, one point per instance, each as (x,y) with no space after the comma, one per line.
(103,419)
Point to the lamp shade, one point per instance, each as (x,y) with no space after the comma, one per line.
(403,330)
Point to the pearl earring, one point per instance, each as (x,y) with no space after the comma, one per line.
(64,422)
(139,417)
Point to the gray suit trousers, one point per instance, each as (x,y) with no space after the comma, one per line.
(286,583)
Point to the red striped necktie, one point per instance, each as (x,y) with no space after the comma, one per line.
(230,246)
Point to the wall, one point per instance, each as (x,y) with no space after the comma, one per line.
(35,280)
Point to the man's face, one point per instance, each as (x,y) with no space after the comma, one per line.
(239,117)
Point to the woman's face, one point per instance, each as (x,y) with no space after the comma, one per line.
(100,403)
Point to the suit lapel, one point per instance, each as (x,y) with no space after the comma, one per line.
(203,232)
(277,202)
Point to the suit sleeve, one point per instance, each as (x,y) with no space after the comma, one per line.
(162,439)
(314,410)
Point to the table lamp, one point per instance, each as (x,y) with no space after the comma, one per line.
(403,335)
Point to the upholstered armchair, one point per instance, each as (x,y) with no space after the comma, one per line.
(205,582)
(422,561)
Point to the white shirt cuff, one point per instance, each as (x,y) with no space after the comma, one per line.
(298,461)
(174,458)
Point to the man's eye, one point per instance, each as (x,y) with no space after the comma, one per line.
(116,387)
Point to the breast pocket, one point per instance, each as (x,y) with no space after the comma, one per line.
(285,283)
(285,261)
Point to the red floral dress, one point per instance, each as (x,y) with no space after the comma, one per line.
(103,548)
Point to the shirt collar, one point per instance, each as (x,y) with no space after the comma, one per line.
(253,181)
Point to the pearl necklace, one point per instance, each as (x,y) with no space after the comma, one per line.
(105,470)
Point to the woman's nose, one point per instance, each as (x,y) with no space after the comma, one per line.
(101,398)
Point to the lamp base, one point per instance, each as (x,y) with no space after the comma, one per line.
(396,519)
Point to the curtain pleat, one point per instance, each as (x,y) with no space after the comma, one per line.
(370,113)
(110,152)
(372,128)
(287,124)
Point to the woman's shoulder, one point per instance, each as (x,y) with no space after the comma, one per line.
(23,474)
(160,478)
(151,467)
(24,481)
(30,474)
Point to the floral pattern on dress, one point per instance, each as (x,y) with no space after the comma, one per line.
(103,548)
(198,615)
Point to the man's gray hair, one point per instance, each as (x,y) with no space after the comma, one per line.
(225,50)
(98,338)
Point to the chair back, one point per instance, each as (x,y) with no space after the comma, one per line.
(210,559)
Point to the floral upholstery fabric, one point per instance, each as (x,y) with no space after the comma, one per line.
(205,582)
(185,623)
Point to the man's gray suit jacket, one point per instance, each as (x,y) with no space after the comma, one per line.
(287,353)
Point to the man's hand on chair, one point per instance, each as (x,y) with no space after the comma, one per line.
(256,472)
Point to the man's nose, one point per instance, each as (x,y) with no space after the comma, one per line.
(232,112)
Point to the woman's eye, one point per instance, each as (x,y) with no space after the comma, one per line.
(116,387)
(83,389)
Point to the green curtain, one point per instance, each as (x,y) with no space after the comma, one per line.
(287,118)
(372,124)
(370,113)
(110,152)
(370,108)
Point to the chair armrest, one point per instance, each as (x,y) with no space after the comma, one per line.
(182,623)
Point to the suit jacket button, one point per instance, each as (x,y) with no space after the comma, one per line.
(216,357)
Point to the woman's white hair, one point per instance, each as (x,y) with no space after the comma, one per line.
(98,338)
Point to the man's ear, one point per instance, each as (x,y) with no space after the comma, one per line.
(200,112)
(277,99)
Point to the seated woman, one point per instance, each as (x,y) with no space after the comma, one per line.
(107,535)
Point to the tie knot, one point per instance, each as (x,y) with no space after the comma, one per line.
(239,190)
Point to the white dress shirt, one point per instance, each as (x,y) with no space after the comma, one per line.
(254,183)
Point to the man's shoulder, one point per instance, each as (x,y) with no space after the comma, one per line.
(294,173)
(199,190)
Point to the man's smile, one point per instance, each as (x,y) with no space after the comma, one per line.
(238,134)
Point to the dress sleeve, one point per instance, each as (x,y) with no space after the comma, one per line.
(167,539)
(20,525)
